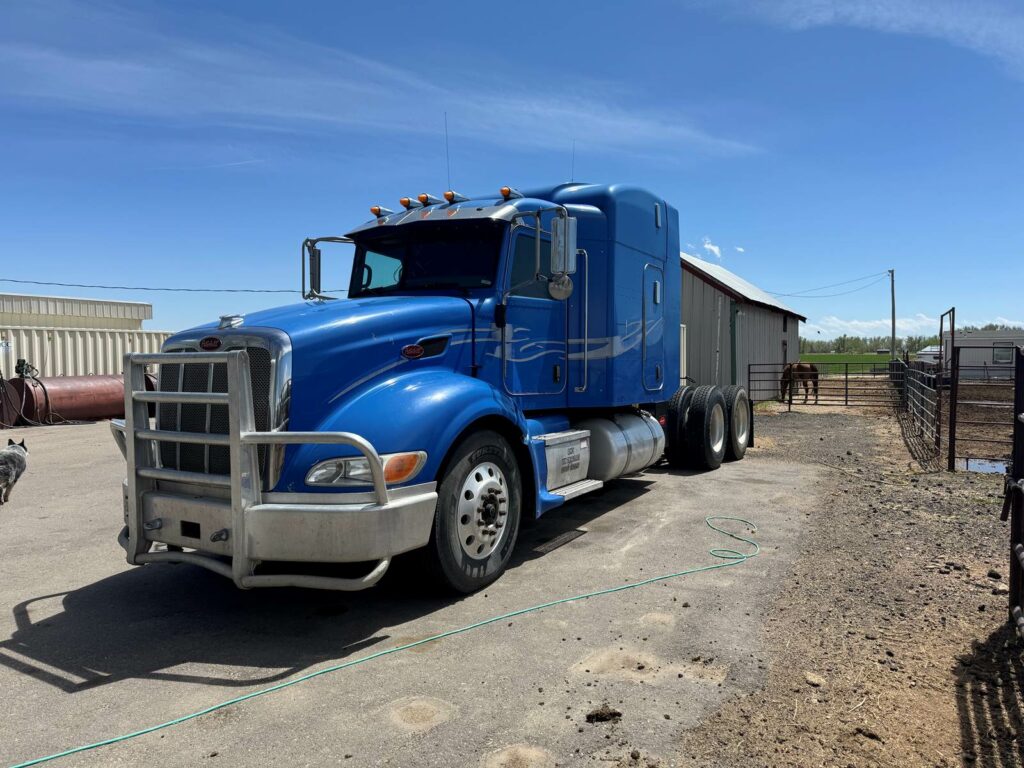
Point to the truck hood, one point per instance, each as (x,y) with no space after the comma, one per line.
(340,346)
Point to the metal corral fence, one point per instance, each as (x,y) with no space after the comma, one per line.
(978,409)
(879,384)
(921,402)
(1013,504)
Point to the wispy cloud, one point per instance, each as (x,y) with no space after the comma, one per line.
(740,249)
(213,166)
(919,324)
(993,28)
(831,325)
(711,248)
(121,62)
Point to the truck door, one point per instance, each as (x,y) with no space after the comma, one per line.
(654,328)
(534,340)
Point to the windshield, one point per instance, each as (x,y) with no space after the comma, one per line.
(421,257)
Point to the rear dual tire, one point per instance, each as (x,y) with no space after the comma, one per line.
(737,414)
(706,425)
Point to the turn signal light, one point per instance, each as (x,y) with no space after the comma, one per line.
(400,467)
(510,192)
(408,203)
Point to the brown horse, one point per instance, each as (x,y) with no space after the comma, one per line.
(795,374)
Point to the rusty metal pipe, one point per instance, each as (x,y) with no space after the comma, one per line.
(69,398)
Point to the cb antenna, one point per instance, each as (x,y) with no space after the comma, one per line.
(572,165)
(447,153)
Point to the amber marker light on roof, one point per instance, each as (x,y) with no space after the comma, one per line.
(509,192)
(408,203)
(427,199)
(380,211)
(454,197)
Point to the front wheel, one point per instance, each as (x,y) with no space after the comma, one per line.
(478,512)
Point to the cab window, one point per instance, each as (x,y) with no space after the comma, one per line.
(380,271)
(524,262)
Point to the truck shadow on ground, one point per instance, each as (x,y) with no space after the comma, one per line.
(159,621)
(990,700)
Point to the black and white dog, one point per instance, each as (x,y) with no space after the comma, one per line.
(13,463)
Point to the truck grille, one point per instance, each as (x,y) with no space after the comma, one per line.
(211,419)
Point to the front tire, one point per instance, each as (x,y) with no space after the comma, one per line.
(478,513)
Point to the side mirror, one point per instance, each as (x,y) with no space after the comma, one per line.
(314,270)
(563,245)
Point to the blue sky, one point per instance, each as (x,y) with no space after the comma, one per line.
(804,142)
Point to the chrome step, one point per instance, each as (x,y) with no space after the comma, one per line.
(578,488)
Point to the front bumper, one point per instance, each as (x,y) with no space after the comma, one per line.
(227,524)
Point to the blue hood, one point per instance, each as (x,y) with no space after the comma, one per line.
(339,346)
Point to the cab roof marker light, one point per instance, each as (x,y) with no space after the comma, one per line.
(510,192)
(427,199)
(454,197)
(380,211)
(409,203)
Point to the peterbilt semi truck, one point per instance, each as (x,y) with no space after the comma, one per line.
(493,358)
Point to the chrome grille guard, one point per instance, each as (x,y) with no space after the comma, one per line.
(244,481)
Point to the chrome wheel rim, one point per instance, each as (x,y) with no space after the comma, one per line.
(740,422)
(717,431)
(482,511)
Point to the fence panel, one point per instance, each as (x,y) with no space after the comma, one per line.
(880,384)
(978,412)
(1013,505)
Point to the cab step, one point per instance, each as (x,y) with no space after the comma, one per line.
(578,488)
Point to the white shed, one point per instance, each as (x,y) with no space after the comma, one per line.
(983,354)
(72,337)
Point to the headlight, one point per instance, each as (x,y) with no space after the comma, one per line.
(398,468)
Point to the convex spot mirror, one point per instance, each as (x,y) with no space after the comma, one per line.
(560,287)
(563,245)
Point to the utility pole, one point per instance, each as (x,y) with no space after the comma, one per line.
(892,292)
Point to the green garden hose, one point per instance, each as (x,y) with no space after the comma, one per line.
(727,558)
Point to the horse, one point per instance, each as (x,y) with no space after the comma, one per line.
(795,374)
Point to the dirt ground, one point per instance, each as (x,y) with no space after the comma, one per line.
(888,644)
(872,631)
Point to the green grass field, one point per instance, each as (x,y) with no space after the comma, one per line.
(828,357)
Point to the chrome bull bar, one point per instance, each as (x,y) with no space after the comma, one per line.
(246,496)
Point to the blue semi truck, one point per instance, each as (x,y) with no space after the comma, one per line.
(494,358)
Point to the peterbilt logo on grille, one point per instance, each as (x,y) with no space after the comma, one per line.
(210,343)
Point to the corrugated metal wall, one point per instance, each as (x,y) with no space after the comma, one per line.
(760,333)
(706,317)
(764,336)
(59,312)
(73,351)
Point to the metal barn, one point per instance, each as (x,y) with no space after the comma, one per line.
(731,323)
(72,337)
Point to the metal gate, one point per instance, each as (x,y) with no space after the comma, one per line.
(1013,504)
(858,384)
(977,409)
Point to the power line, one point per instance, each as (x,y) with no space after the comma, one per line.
(841,293)
(831,285)
(146,288)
